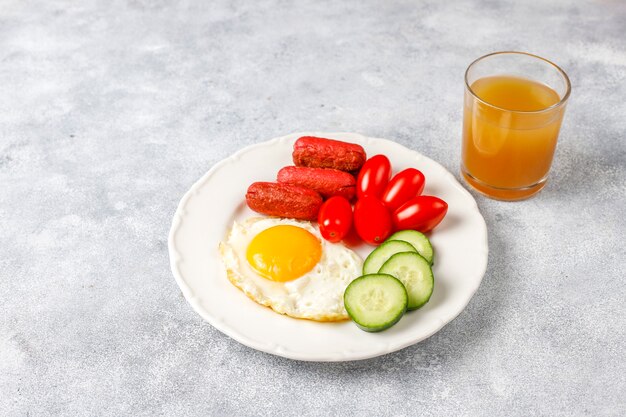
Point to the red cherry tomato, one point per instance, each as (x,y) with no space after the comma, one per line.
(372,220)
(335,218)
(403,186)
(373,177)
(421,213)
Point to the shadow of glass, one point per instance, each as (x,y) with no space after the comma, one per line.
(578,173)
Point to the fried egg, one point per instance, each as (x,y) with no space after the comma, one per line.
(286,265)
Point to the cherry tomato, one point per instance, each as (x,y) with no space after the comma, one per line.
(421,213)
(403,186)
(335,218)
(372,220)
(373,177)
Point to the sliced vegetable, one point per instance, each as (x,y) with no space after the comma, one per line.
(335,218)
(372,221)
(375,302)
(416,275)
(403,186)
(373,177)
(421,213)
(418,240)
(381,254)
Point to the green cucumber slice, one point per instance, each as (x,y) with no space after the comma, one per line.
(386,250)
(419,241)
(416,275)
(375,302)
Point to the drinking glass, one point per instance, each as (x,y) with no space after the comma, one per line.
(513,108)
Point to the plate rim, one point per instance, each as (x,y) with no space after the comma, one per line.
(193,300)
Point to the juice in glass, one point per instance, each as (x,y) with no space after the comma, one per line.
(510,127)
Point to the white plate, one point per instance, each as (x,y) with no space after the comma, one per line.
(209,208)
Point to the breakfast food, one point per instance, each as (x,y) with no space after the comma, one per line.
(402,187)
(376,302)
(372,221)
(416,275)
(286,265)
(304,272)
(373,177)
(326,181)
(373,301)
(381,254)
(400,197)
(418,240)
(283,200)
(310,151)
(422,213)
(335,218)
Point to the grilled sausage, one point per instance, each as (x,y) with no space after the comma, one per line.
(309,151)
(328,182)
(283,200)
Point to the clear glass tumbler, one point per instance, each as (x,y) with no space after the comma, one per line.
(513,109)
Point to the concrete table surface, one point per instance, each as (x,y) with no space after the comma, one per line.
(109,111)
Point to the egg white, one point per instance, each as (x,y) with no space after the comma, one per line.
(317,295)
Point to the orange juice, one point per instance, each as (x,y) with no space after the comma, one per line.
(510,129)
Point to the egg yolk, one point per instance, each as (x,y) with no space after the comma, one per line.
(283,253)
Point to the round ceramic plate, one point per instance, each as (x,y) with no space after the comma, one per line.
(208,209)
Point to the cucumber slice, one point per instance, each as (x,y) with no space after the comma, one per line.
(416,275)
(386,250)
(419,241)
(375,302)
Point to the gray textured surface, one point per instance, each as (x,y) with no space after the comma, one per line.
(109,111)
